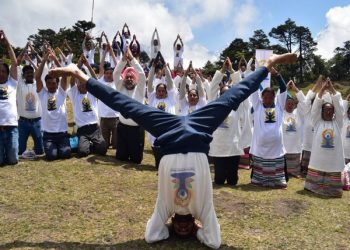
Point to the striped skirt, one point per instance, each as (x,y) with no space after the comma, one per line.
(305,160)
(293,164)
(268,172)
(324,183)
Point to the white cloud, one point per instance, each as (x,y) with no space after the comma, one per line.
(245,19)
(199,56)
(200,12)
(336,31)
(20,19)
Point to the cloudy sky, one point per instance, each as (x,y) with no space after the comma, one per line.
(206,26)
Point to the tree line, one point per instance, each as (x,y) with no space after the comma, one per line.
(289,37)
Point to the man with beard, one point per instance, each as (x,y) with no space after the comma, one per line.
(131,82)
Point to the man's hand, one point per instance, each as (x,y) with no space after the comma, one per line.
(128,54)
(273,71)
(331,86)
(291,85)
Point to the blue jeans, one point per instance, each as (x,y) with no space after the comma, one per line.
(28,127)
(8,145)
(56,146)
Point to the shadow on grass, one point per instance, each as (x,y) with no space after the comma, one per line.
(172,242)
(314,195)
(250,187)
(111,160)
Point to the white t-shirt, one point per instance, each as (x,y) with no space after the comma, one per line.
(292,128)
(103,110)
(154,50)
(126,42)
(178,59)
(8,108)
(186,109)
(138,93)
(246,124)
(327,153)
(84,107)
(90,54)
(65,61)
(107,57)
(308,132)
(54,114)
(28,103)
(226,138)
(167,105)
(184,187)
(267,140)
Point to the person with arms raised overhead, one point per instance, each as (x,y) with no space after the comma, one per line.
(131,82)
(8,108)
(267,149)
(327,156)
(85,116)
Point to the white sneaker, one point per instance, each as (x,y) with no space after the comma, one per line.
(29,155)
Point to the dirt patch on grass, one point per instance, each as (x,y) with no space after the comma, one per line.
(289,207)
(228,203)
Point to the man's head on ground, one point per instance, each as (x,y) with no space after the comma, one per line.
(184,225)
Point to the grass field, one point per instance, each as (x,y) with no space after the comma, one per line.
(101,203)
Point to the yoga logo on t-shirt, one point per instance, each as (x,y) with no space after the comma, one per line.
(30,102)
(328,138)
(161,106)
(291,125)
(183,186)
(51,103)
(4,95)
(270,115)
(86,104)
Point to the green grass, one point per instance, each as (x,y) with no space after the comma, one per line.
(101,203)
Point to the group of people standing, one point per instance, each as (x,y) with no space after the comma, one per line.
(188,117)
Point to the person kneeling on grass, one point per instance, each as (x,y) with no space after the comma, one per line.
(85,116)
(327,156)
(54,112)
(8,109)
(184,182)
(268,162)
